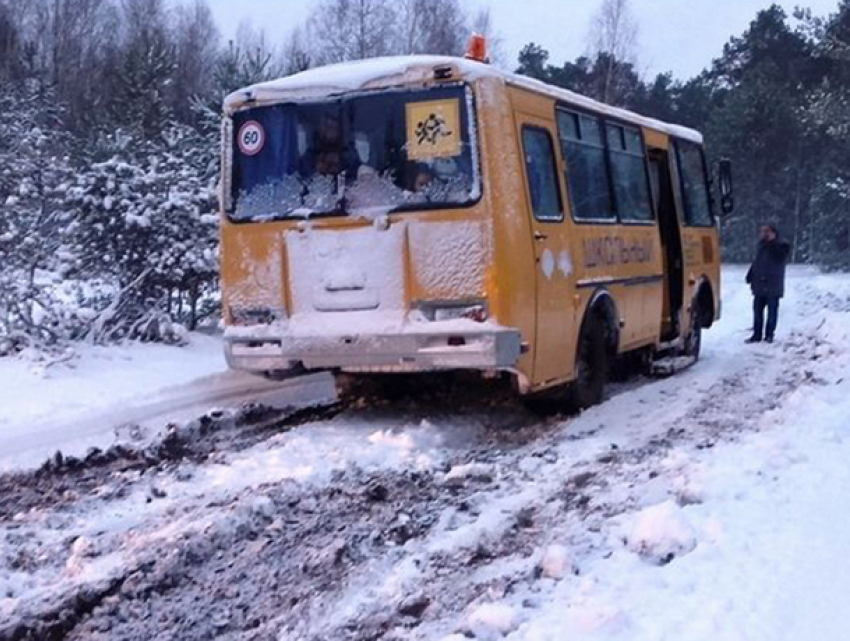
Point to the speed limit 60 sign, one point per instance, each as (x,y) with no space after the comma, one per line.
(251,138)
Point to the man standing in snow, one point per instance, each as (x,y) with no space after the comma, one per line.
(766,278)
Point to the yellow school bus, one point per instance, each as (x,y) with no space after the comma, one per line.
(430,213)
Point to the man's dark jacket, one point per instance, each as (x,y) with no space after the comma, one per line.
(767,273)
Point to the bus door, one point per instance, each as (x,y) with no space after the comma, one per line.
(554,280)
(700,250)
(671,242)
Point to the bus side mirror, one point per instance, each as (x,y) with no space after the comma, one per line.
(727,201)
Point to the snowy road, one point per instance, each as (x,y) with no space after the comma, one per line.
(710,505)
(112,392)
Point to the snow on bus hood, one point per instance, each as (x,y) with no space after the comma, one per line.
(404,70)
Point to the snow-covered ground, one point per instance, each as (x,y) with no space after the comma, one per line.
(104,393)
(709,505)
(753,541)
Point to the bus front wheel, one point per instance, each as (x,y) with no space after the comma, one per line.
(591,365)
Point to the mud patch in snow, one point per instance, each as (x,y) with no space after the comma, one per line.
(109,474)
(267,564)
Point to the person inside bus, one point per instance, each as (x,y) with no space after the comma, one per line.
(452,180)
(422,178)
(325,156)
(766,278)
(328,162)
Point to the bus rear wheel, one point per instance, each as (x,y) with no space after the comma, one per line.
(693,340)
(591,366)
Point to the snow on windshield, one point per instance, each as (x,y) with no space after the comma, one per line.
(364,155)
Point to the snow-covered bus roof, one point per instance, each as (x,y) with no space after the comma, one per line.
(400,70)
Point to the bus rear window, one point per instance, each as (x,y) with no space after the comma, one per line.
(360,155)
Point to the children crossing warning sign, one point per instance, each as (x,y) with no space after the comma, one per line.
(433,129)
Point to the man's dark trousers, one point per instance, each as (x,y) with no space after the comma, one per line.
(772,304)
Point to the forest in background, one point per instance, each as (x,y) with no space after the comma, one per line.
(109,138)
(776,101)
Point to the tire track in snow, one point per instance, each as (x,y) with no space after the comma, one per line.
(140,550)
(182,403)
(570,502)
(457,532)
(336,560)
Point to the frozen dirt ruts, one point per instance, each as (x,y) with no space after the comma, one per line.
(365,521)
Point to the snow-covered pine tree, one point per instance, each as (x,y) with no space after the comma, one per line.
(144,70)
(828,118)
(186,166)
(146,223)
(36,171)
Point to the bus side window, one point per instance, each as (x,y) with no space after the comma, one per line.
(542,174)
(586,166)
(693,178)
(629,172)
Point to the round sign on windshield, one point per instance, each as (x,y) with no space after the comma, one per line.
(251,138)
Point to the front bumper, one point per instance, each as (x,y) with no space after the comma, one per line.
(488,348)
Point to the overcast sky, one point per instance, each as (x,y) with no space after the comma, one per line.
(681,36)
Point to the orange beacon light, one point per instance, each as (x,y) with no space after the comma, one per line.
(476,49)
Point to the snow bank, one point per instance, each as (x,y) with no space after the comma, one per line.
(100,377)
(592,618)
(491,621)
(471,471)
(555,562)
(82,401)
(773,553)
(661,533)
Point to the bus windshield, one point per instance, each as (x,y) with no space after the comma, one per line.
(364,155)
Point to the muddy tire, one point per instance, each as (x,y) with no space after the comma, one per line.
(591,365)
(693,340)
